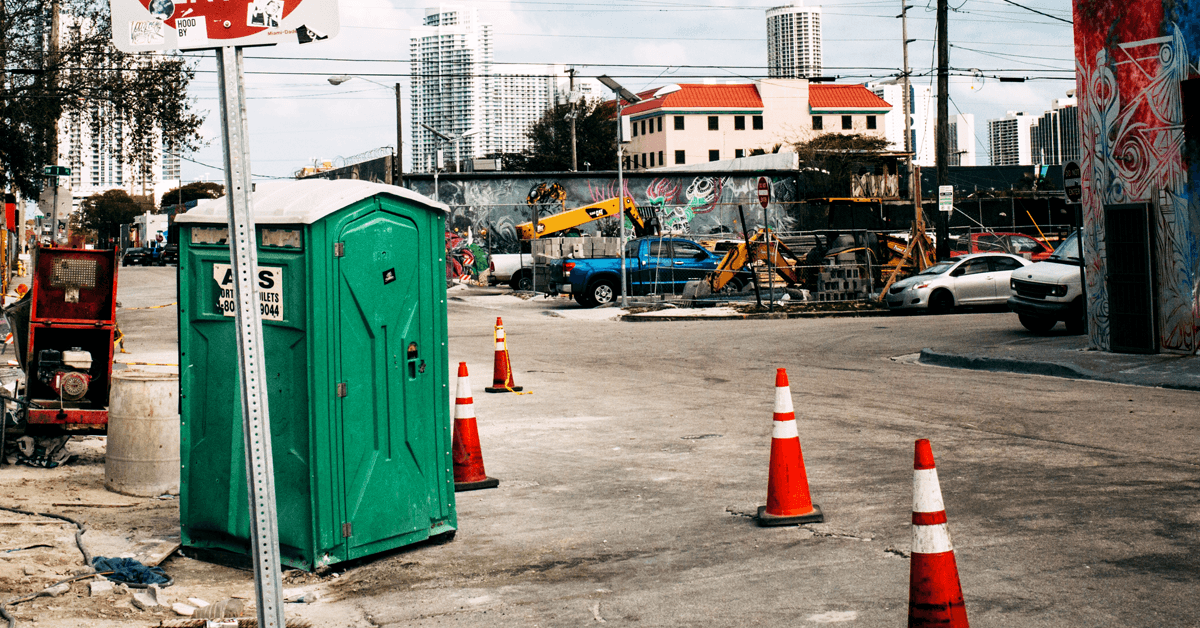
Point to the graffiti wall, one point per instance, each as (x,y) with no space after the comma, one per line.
(1132,58)
(685,202)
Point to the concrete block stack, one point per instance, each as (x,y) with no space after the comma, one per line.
(842,283)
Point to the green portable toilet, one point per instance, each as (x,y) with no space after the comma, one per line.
(353,295)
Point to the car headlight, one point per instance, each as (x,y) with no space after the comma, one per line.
(1059,291)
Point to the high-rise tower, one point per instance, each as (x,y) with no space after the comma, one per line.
(794,41)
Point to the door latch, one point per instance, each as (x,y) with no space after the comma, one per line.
(347,530)
(341,389)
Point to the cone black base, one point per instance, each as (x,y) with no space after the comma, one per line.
(816,516)
(493,389)
(475,486)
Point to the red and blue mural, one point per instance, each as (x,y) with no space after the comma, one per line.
(1132,60)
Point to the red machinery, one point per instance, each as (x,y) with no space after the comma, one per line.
(63,331)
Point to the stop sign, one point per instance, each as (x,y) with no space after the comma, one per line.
(764,192)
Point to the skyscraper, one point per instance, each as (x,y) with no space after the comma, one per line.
(1054,137)
(1008,139)
(794,41)
(456,89)
(451,84)
(923,122)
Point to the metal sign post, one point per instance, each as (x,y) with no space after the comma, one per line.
(227,26)
(256,424)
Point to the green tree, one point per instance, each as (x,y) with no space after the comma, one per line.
(104,213)
(191,192)
(135,104)
(827,161)
(550,137)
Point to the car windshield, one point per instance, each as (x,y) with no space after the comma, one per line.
(938,268)
(1068,251)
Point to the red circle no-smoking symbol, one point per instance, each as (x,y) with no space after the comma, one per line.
(225,19)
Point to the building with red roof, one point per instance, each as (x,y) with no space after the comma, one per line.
(712,122)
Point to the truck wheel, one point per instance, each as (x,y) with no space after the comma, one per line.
(1076,324)
(1037,325)
(601,293)
(522,282)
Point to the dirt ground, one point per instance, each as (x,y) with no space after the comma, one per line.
(36,552)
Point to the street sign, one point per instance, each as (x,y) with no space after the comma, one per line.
(143,25)
(946,198)
(764,192)
(1073,181)
(56,171)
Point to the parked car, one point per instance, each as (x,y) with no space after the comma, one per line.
(169,255)
(1050,291)
(137,256)
(998,242)
(971,280)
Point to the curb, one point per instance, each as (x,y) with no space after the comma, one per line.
(1051,369)
(639,318)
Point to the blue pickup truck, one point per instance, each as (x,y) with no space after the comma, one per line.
(653,265)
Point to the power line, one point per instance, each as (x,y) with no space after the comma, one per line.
(1053,17)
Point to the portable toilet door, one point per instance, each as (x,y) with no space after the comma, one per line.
(387,338)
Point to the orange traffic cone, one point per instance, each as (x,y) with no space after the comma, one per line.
(502,379)
(788,500)
(468,458)
(934,596)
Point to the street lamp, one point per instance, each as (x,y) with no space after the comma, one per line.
(622,95)
(398,158)
(442,137)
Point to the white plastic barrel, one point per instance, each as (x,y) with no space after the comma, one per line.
(142,457)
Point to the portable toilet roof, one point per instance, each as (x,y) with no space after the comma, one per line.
(303,202)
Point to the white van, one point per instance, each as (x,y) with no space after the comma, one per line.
(1051,291)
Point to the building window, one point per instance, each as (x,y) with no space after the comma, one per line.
(818,123)
(758,125)
(660,124)
(661,161)
(739,153)
(870,122)
(712,123)
(847,122)
(633,129)
(643,160)
(739,123)
(652,154)
(714,155)
(679,155)
(678,123)
(643,127)
(651,121)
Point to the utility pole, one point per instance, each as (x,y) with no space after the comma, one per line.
(571,98)
(913,177)
(52,131)
(398,159)
(943,123)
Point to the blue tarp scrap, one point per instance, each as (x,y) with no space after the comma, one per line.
(130,571)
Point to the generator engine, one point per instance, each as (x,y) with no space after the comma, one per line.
(66,372)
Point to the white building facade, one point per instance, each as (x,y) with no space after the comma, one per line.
(96,166)
(1054,137)
(1008,139)
(794,41)
(923,122)
(962,140)
(457,89)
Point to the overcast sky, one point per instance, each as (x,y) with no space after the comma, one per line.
(296,116)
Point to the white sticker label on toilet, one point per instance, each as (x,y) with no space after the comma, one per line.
(270,291)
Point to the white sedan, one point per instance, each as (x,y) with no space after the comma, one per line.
(970,280)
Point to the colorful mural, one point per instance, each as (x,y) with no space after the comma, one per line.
(685,203)
(1131,59)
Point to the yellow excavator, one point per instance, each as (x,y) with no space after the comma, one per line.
(762,246)
(558,223)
